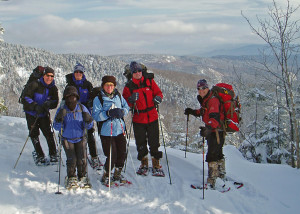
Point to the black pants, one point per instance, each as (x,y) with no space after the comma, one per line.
(118,153)
(147,134)
(92,143)
(76,158)
(42,123)
(215,149)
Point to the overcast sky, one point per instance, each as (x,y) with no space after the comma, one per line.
(109,27)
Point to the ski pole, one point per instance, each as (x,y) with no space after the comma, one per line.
(33,125)
(109,170)
(60,142)
(129,136)
(187,131)
(164,143)
(203,167)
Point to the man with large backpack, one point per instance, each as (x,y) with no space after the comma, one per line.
(39,96)
(143,95)
(213,116)
(84,88)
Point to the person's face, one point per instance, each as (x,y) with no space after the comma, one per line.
(137,75)
(78,75)
(48,78)
(109,87)
(202,91)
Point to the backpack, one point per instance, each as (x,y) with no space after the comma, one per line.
(231,106)
(36,74)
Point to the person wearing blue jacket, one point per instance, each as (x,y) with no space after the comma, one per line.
(39,96)
(84,88)
(72,119)
(109,111)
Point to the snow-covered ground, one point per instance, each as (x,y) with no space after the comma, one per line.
(31,189)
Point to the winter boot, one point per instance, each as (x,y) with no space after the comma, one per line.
(143,170)
(54,158)
(39,160)
(71,183)
(221,169)
(156,168)
(213,173)
(118,176)
(84,183)
(96,163)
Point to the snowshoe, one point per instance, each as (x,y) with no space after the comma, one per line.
(221,189)
(85,183)
(158,172)
(95,163)
(142,171)
(71,183)
(39,160)
(54,159)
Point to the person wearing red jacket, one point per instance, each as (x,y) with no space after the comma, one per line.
(143,95)
(212,115)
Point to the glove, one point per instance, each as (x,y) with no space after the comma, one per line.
(204,132)
(157,100)
(188,111)
(46,105)
(39,109)
(202,111)
(87,117)
(60,115)
(134,97)
(115,113)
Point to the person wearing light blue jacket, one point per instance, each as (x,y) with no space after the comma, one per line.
(72,120)
(109,108)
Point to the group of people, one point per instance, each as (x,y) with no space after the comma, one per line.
(74,119)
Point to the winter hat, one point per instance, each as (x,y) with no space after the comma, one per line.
(48,70)
(202,84)
(69,91)
(107,79)
(134,67)
(79,67)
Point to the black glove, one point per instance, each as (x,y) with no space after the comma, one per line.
(115,113)
(157,100)
(202,111)
(46,105)
(188,111)
(39,109)
(60,115)
(204,132)
(87,117)
(134,97)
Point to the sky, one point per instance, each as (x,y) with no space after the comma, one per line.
(112,27)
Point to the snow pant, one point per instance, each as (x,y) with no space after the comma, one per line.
(147,133)
(76,158)
(118,153)
(92,143)
(215,157)
(42,123)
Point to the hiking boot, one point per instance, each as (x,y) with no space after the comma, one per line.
(155,163)
(72,183)
(213,173)
(105,177)
(221,168)
(54,158)
(96,163)
(143,169)
(118,176)
(84,182)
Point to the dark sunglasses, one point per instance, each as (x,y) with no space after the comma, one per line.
(49,75)
(78,72)
(201,88)
(135,71)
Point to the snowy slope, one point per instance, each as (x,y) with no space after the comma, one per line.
(31,189)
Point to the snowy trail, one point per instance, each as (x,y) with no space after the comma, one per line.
(31,189)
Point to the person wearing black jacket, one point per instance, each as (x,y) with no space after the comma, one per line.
(84,88)
(40,96)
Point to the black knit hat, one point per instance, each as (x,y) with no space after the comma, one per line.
(48,70)
(107,79)
(71,90)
